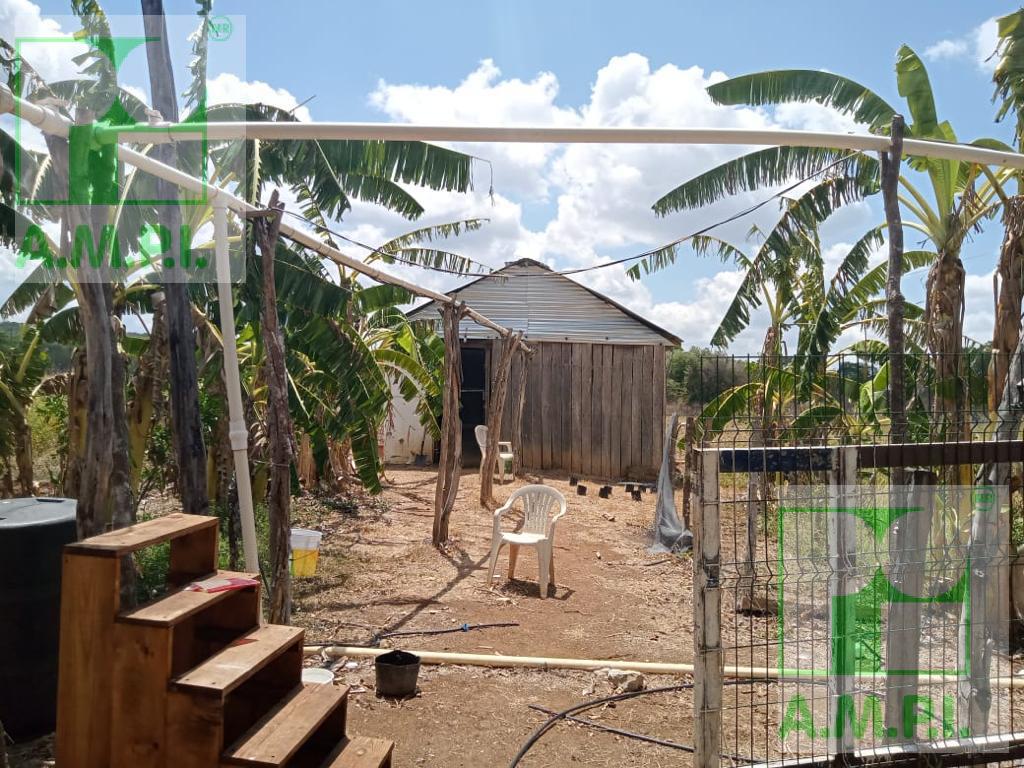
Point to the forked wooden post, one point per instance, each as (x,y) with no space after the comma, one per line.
(707,616)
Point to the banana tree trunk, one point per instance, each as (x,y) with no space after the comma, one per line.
(944,322)
(187,428)
(1006,331)
(450,465)
(279,424)
(495,410)
(143,404)
(78,408)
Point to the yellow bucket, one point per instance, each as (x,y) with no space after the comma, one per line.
(305,552)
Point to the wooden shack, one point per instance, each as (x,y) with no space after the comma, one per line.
(595,396)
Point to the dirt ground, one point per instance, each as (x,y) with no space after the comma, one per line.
(379,573)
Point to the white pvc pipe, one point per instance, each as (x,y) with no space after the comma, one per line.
(567,135)
(237,432)
(527,135)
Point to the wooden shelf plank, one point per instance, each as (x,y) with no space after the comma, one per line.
(180,605)
(361,752)
(124,541)
(273,740)
(234,665)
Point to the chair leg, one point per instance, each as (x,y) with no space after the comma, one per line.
(544,561)
(501,469)
(495,549)
(551,567)
(513,555)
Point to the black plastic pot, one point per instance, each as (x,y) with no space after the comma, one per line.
(397,672)
(581,490)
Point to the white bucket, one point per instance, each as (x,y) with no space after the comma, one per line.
(305,551)
(317,676)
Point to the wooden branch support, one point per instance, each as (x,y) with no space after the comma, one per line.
(495,408)
(525,353)
(279,424)
(450,464)
(707,619)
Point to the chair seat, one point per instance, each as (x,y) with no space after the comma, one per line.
(522,538)
(505,456)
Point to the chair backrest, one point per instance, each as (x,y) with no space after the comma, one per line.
(481,437)
(540,504)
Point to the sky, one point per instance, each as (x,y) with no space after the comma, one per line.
(576,62)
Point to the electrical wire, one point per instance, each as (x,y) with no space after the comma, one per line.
(578,270)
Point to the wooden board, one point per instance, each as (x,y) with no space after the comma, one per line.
(636,454)
(361,752)
(193,556)
(543,431)
(239,661)
(142,668)
(609,417)
(644,384)
(586,407)
(134,537)
(89,602)
(621,394)
(578,446)
(660,416)
(180,605)
(195,728)
(565,406)
(276,737)
(596,409)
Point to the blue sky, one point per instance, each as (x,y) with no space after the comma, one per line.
(576,62)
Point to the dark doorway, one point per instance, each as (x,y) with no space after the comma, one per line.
(474,400)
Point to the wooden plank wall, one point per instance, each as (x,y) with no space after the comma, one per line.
(597,410)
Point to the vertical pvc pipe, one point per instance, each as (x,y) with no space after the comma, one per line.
(237,432)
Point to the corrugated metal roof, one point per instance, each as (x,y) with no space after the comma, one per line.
(547,306)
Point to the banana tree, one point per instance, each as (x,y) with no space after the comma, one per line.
(23,363)
(956,203)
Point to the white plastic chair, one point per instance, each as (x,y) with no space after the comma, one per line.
(504,451)
(543,507)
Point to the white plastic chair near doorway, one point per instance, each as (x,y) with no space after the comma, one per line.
(543,507)
(504,451)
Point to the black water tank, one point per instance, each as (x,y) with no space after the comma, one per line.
(32,534)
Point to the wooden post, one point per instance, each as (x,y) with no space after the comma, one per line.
(517,412)
(908,550)
(450,463)
(707,617)
(842,539)
(894,301)
(495,409)
(279,423)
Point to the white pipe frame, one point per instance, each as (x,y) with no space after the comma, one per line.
(51,121)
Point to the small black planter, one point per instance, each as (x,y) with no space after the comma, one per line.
(573,480)
(581,490)
(397,672)
(605,492)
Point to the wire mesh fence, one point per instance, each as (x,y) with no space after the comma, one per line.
(852,595)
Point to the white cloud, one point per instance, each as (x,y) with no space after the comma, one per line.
(228,88)
(946,49)
(24,19)
(985,38)
(979,44)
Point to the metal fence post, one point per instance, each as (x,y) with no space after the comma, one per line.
(707,617)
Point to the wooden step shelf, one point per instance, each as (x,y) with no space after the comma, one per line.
(312,717)
(190,680)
